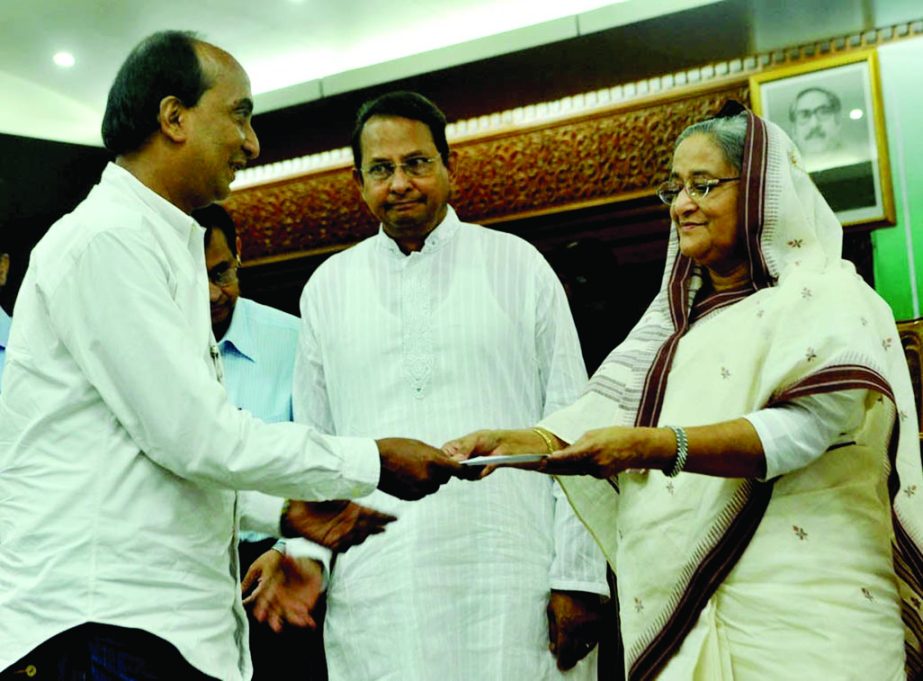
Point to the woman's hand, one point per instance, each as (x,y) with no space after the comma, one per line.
(606,452)
(498,442)
(495,442)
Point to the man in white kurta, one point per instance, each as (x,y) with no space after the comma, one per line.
(470,329)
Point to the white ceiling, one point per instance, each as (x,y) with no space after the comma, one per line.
(294,50)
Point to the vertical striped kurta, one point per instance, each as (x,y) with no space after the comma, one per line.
(471,332)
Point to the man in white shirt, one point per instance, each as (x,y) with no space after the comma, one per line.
(120,453)
(432,328)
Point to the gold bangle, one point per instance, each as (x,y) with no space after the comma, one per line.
(547,438)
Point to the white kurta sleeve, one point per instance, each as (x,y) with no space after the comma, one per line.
(311,406)
(797,433)
(578,563)
(115,313)
(310,403)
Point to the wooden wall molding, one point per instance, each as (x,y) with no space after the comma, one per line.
(607,156)
(602,147)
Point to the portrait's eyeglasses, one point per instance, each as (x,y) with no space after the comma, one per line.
(822,113)
(697,188)
(416,166)
(224,276)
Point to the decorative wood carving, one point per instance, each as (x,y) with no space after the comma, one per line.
(592,159)
(606,156)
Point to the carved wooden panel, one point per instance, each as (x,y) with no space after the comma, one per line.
(606,156)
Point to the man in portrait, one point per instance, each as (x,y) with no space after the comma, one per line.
(844,177)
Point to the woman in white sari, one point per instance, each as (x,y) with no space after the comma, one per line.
(756,480)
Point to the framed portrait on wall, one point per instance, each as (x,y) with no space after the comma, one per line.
(831,108)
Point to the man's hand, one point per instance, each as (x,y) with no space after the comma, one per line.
(411,469)
(574,621)
(286,590)
(334,524)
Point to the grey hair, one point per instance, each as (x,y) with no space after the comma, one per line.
(728,133)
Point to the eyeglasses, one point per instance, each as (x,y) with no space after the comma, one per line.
(822,113)
(225,276)
(416,166)
(697,188)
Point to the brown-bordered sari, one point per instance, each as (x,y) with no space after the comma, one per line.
(818,573)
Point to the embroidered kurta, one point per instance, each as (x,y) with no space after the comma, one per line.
(473,331)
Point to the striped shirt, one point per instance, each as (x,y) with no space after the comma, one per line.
(473,331)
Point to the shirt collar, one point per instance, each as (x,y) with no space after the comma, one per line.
(123,180)
(435,240)
(239,334)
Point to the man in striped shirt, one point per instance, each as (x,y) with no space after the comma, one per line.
(431,328)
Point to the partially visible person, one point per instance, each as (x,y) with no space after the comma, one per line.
(257,345)
(120,453)
(760,496)
(5,319)
(429,327)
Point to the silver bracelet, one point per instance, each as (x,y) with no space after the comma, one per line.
(682,451)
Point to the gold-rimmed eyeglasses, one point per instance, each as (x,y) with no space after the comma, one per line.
(415,166)
(697,188)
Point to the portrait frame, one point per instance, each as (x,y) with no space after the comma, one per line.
(831,108)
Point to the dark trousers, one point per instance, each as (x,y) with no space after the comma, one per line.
(294,652)
(103,652)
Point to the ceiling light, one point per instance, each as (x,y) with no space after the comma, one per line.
(856,114)
(64,59)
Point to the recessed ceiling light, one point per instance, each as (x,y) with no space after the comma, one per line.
(856,114)
(64,59)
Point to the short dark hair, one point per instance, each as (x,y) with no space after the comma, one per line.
(832,99)
(402,104)
(215,217)
(161,65)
